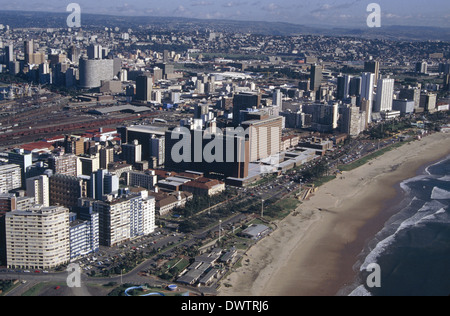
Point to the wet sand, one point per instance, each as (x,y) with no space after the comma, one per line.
(314,253)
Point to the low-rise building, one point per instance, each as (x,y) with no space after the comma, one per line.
(204,186)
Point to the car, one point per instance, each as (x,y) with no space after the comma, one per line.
(37,271)
(26,271)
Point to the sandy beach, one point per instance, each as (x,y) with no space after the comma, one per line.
(314,253)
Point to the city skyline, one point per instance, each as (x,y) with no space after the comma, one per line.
(328,13)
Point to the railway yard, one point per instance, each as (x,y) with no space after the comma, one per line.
(46,115)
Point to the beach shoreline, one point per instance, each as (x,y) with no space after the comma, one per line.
(315,253)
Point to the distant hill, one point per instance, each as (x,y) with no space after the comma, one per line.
(20,19)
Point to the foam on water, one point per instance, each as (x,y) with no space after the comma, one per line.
(445,178)
(429,209)
(440,194)
(360,291)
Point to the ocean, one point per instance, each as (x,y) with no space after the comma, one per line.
(413,249)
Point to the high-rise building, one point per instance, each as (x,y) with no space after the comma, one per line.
(125,218)
(367,89)
(188,150)
(39,188)
(343,87)
(9,54)
(103,183)
(65,190)
(277,99)
(19,157)
(373,66)
(95,52)
(422,67)
(10,178)
(264,137)
(74,54)
(412,94)
(87,165)
(355,86)
(132,153)
(74,145)
(65,164)
(242,102)
(38,238)
(158,147)
(143,134)
(324,117)
(385,95)
(305,85)
(316,77)
(106,157)
(84,236)
(94,71)
(28,50)
(428,101)
(352,121)
(144,86)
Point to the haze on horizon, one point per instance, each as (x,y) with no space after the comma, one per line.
(335,13)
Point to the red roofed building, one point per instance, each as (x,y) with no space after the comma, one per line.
(204,186)
(37,148)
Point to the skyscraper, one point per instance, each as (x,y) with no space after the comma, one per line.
(367,86)
(243,101)
(422,67)
(277,98)
(385,95)
(9,54)
(28,50)
(355,86)
(144,86)
(372,66)
(95,52)
(316,77)
(25,161)
(343,87)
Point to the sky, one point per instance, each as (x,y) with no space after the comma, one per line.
(345,13)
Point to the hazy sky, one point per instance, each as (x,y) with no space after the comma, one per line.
(317,12)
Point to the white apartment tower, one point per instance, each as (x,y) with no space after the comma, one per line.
(367,88)
(10,178)
(38,238)
(38,187)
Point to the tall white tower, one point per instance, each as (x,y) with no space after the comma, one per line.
(367,86)
(385,95)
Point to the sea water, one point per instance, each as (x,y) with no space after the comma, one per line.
(413,249)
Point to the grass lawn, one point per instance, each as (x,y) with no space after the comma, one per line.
(281,209)
(323,180)
(363,161)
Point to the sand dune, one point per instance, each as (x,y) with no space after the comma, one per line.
(314,253)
